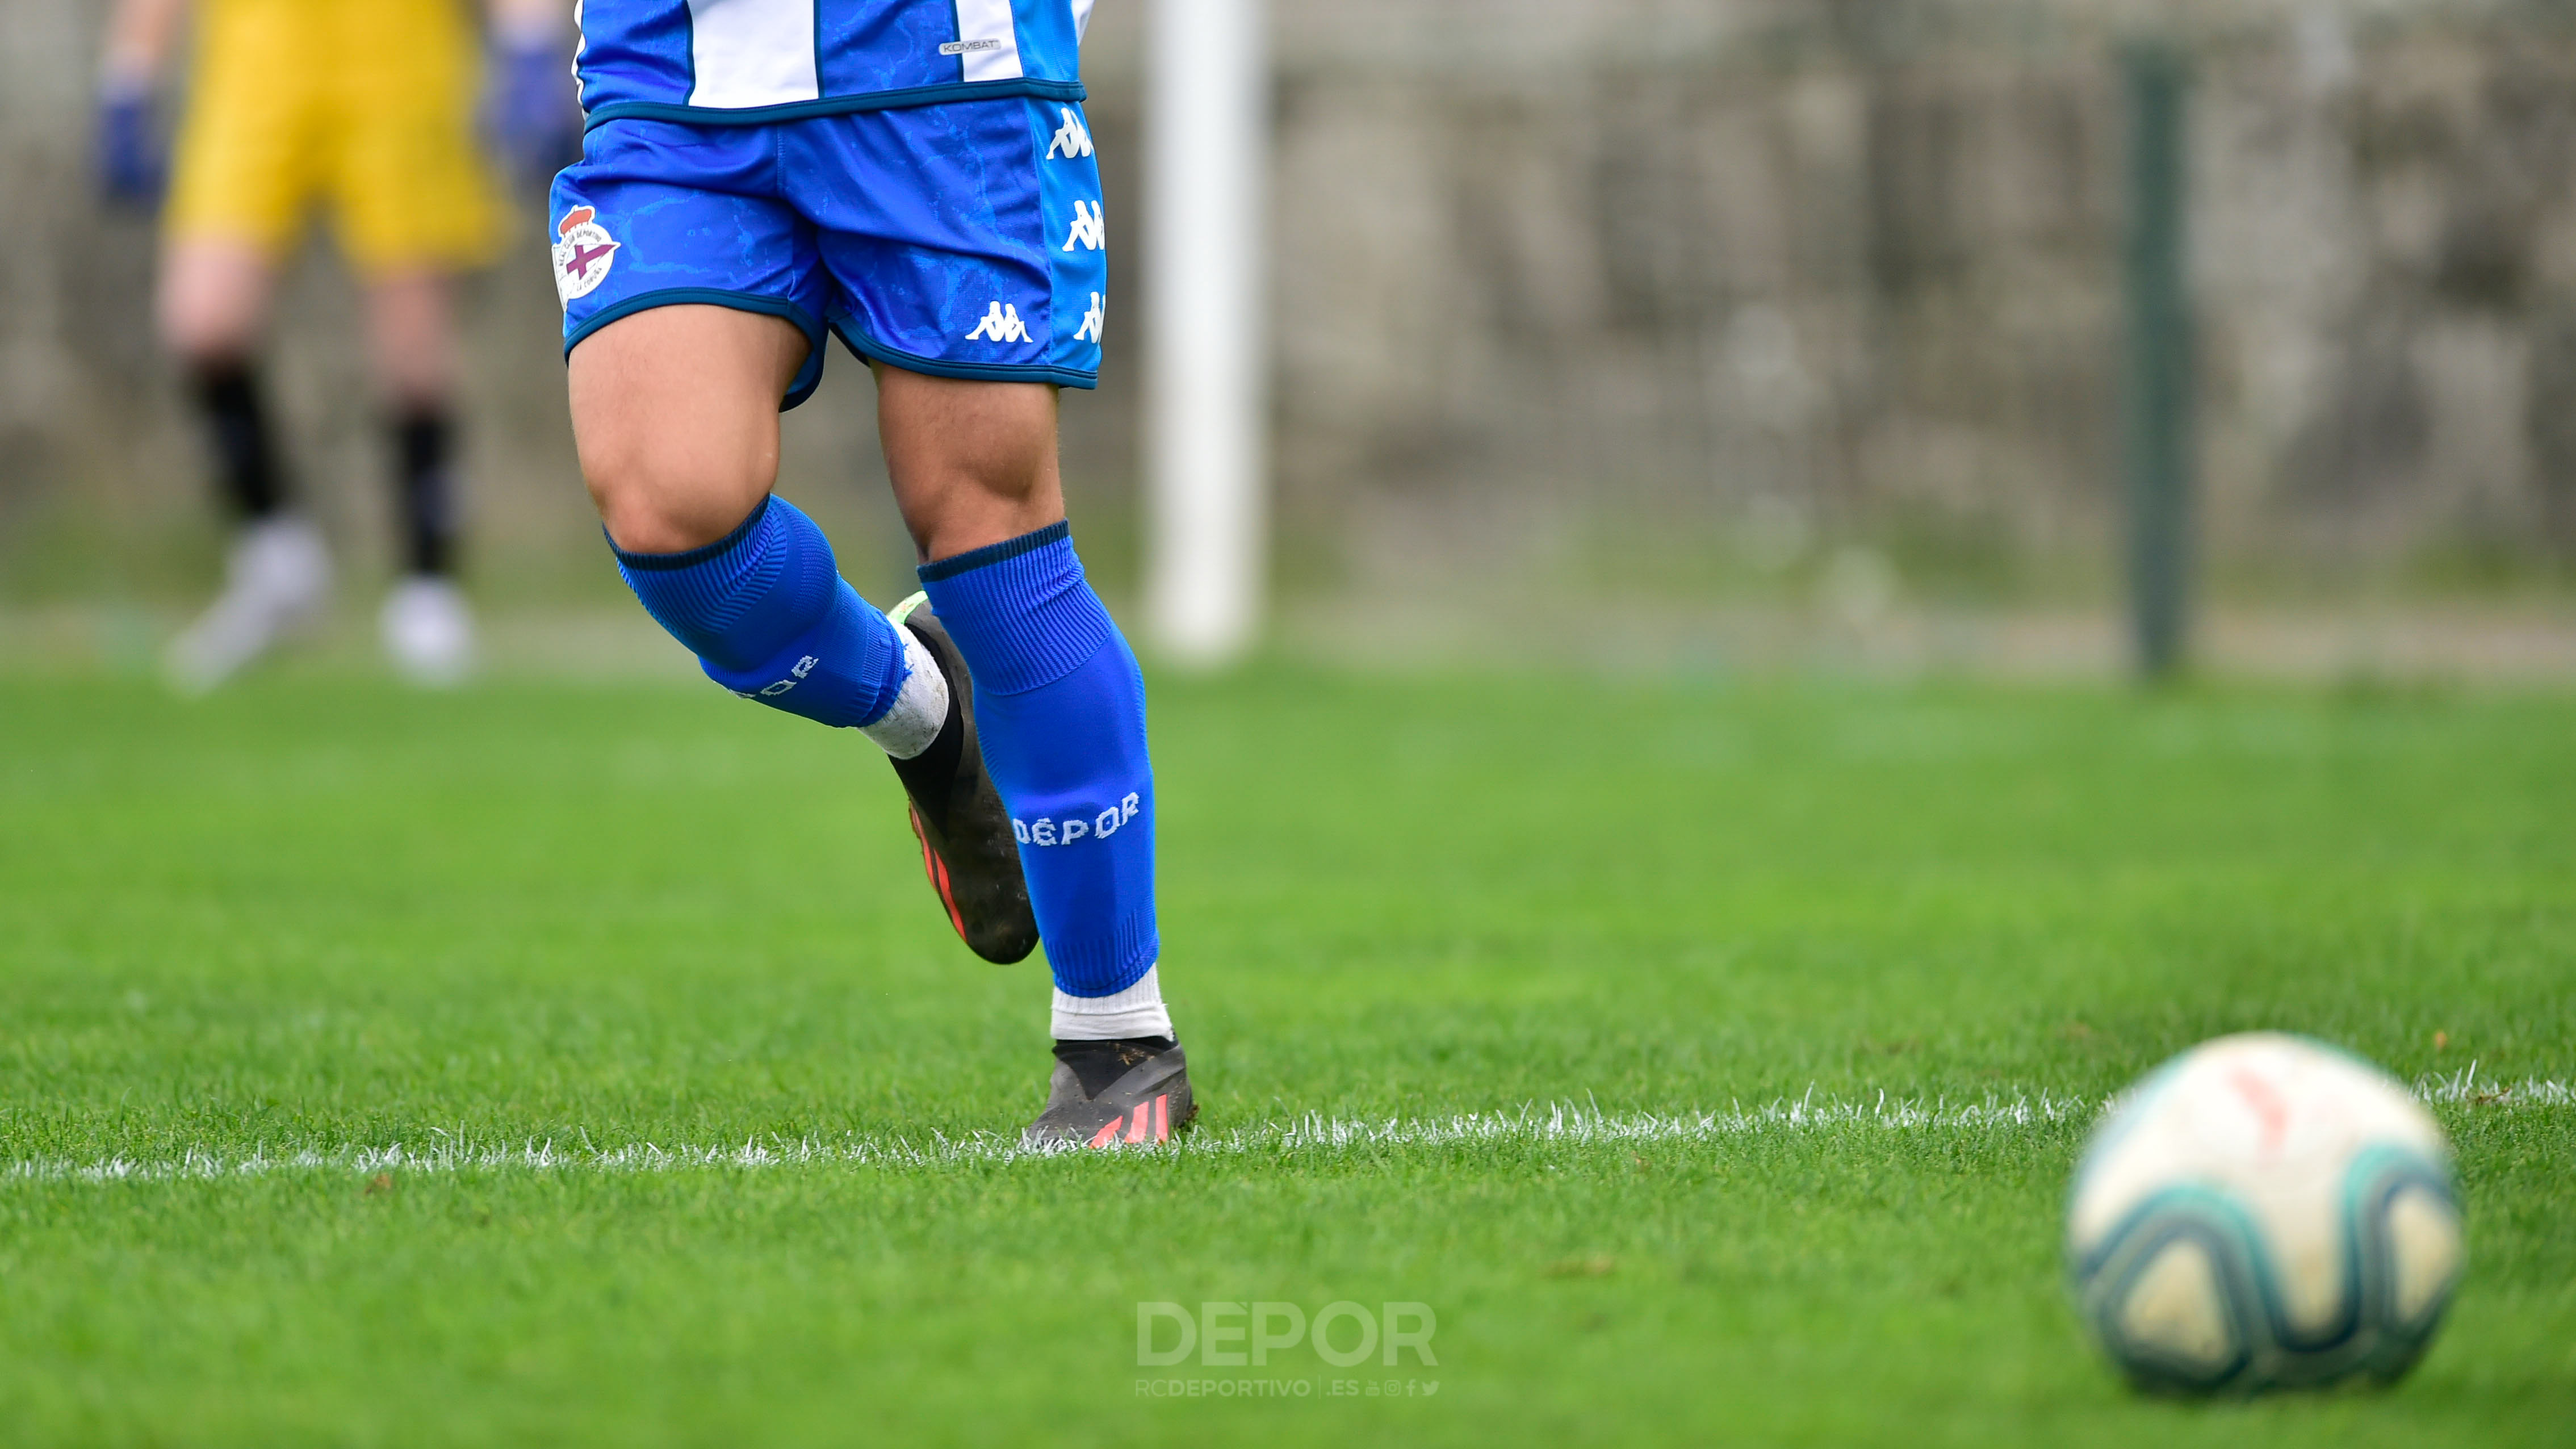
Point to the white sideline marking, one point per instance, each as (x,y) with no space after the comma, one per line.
(1313,1134)
(2464,1086)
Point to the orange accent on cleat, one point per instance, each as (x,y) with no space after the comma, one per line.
(1108,1136)
(1163,1118)
(937,869)
(1136,1125)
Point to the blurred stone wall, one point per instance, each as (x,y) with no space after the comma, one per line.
(1626,280)
(1565,294)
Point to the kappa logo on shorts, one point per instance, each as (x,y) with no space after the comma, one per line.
(1092,320)
(1001,324)
(1090,228)
(583,256)
(1071,141)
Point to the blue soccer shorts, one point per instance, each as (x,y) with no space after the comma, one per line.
(959,240)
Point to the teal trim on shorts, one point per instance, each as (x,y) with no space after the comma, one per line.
(869,349)
(807,377)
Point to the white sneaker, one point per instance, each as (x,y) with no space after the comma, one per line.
(275,583)
(428,631)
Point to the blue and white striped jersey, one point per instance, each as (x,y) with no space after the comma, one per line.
(750,61)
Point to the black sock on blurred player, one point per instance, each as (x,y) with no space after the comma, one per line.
(245,456)
(424,442)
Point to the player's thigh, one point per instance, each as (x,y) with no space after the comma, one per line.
(693,303)
(675,417)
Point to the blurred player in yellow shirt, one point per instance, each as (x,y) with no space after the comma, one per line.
(365,108)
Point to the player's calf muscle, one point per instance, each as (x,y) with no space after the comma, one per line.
(675,417)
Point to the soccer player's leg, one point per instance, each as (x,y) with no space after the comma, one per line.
(1061,709)
(416,205)
(243,172)
(277,573)
(680,355)
(970,267)
(675,412)
(426,626)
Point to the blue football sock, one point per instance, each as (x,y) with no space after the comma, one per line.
(769,618)
(1060,710)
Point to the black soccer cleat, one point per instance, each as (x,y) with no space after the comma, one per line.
(957,815)
(1115,1093)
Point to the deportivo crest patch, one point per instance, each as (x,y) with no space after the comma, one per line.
(583,256)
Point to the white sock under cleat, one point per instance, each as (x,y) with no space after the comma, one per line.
(428,631)
(276,583)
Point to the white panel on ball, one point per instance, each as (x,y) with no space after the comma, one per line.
(2261,1212)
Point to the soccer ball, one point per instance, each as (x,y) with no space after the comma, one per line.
(2264,1212)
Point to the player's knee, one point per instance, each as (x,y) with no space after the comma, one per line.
(643,520)
(203,336)
(211,304)
(676,426)
(649,507)
(411,339)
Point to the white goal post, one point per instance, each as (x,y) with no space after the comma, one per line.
(1207,105)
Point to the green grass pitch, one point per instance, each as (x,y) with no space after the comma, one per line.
(687,1076)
